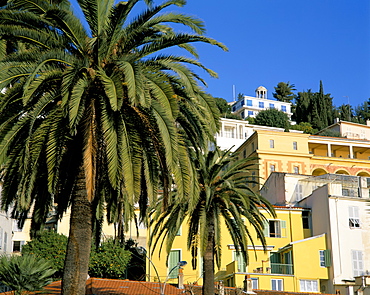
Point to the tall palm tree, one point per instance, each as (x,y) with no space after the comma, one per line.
(93,115)
(224,195)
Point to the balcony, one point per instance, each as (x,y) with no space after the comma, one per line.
(281,268)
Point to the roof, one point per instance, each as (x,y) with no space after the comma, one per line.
(95,286)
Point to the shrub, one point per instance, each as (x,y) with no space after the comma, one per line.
(25,273)
(50,246)
(110,260)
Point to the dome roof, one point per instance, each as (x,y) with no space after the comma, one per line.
(261,88)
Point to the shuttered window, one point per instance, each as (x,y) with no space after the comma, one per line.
(308,285)
(277,285)
(274,228)
(242,266)
(354,217)
(357,263)
(173,260)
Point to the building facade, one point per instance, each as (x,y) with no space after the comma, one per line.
(250,106)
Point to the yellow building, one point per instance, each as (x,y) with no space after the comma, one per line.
(306,154)
(290,262)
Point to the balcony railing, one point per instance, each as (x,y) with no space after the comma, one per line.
(280,268)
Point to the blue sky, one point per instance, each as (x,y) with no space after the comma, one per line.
(301,41)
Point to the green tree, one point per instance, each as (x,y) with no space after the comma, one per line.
(224,196)
(109,260)
(305,127)
(26,273)
(345,113)
(223,106)
(315,108)
(96,115)
(362,112)
(273,118)
(51,246)
(284,92)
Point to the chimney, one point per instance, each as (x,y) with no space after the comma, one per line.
(221,287)
(181,278)
(248,285)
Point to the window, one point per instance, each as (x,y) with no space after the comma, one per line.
(299,192)
(277,285)
(357,263)
(242,115)
(272,106)
(253,178)
(17,246)
(234,108)
(296,169)
(306,219)
(1,238)
(295,146)
(254,283)
(283,108)
(252,146)
(272,168)
(274,228)
(325,258)
(308,285)
(354,217)
(238,257)
(261,105)
(322,258)
(272,143)
(173,260)
(5,241)
(250,113)
(249,102)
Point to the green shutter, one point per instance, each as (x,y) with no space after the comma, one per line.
(173,259)
(283,228)
(238,257)
(266,228)
(327,258)
(275,257)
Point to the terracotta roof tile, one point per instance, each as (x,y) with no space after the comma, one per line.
(95,286)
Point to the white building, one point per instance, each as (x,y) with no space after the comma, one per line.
(6,230)
(233,133)
(250,106)
(350,130)
(339,209)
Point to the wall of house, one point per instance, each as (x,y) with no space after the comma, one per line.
(346,239)
(306,258)
(6,228)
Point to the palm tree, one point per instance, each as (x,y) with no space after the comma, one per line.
(284,92)
(25,273)
(95,116)
(224,195)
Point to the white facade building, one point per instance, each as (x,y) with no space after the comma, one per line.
(339,209)
(6,230)
(250,106)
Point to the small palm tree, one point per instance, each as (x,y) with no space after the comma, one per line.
(25,273)
(223,195)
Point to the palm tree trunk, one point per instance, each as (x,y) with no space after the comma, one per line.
(208,261)
(79,242)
